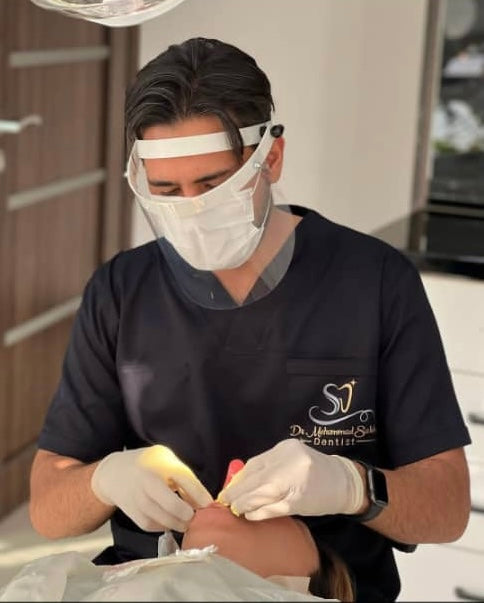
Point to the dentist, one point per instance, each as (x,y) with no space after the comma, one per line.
(254,330)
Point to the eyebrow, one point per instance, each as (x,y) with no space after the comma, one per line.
(206,178)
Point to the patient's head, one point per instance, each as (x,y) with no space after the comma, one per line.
(282,545)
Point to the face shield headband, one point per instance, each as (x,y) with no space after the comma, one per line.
(216,229)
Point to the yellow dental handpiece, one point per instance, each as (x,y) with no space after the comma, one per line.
(176,474)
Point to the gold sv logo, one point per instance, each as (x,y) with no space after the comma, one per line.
(331,392)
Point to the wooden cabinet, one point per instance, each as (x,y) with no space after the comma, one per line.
(455,571)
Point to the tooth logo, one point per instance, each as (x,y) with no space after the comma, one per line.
(339,405)
(340,398)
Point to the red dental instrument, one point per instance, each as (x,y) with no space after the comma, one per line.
(234,467)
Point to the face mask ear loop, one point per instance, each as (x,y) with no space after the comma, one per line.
(268,211)
(241,194)
(262,168)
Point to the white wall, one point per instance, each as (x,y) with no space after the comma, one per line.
(345,77)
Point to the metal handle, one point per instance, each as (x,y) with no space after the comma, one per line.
(8,126)
(467,595)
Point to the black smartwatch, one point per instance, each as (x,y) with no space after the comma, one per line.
(376,487)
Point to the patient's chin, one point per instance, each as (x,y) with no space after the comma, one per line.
(260,547)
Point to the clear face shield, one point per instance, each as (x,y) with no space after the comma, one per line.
(226,247)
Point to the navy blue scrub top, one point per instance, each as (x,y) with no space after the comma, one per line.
(344,354)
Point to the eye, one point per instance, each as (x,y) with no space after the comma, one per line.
(167,193)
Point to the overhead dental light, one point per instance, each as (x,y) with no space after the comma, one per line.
(112,13)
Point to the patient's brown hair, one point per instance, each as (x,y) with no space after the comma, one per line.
(332,580)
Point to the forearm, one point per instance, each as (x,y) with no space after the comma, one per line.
(429,501)
(62,503)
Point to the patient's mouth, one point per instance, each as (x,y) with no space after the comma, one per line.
(214,514)
(215,505)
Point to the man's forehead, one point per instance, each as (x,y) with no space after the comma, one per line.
(191,168)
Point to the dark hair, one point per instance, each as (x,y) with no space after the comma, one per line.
(332,580)
(199,77)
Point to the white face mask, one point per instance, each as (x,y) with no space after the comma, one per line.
(216,230)
(216,237)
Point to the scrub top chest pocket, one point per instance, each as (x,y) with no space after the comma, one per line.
(333,405)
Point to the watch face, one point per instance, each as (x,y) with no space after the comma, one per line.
(378,485)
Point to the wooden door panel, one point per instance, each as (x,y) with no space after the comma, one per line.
(65,234)
(3,414)
(63,204)
(70,99)
(32,28)
(34,375)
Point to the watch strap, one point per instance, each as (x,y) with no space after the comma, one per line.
(376,507)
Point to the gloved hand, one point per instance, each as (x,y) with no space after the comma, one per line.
(142,483)
(294,479)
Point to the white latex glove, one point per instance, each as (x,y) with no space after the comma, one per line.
(143,484)
(294,479)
